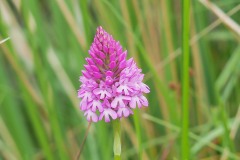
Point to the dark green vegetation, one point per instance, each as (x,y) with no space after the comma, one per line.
(40,66)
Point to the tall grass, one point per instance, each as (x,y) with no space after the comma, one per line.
(41,63)
(185,78)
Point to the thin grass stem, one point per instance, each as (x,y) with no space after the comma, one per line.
(84,140)
(185,79)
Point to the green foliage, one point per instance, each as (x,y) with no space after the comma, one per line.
(41,63)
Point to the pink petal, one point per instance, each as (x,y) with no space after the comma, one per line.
(109,80)
(135,100)
(132,104)
(124,88)
(86,74)
(111,50)
(97,75)
(105,49)
(94,118)
(90,61)
(101,54)
(106,117)
(144,101)
(144,88)
(114,103)
(94,68)
(94,47)
(92,53)
(100,46)
(112,57)
(113,114)
(112,65)
(98,61)
(96,105)
(109,73)
(122,56)
(119,50)
(88,68)
(91,116)
(126,113)
(108,93)
(97,91)
(102,95)
(122,64)
(83,105)
(106,113)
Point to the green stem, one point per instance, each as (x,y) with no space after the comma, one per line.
(185,80)
(138,132)
(117,140)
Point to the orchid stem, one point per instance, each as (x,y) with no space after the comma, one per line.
(117,140)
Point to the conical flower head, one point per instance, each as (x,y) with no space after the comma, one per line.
(111,85)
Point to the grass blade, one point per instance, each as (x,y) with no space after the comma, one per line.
(185,79)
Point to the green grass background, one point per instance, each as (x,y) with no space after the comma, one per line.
(41,63)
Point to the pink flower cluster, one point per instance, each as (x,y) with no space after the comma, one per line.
(111,85)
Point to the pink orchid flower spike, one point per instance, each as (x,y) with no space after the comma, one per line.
(111,86)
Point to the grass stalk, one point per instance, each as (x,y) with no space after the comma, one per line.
(193,136)
(185,79)
(4,40)
(84,140)
(138,132)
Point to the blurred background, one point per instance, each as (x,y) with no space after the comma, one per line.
(41,63)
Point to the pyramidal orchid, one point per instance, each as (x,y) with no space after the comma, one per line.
(111,86)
